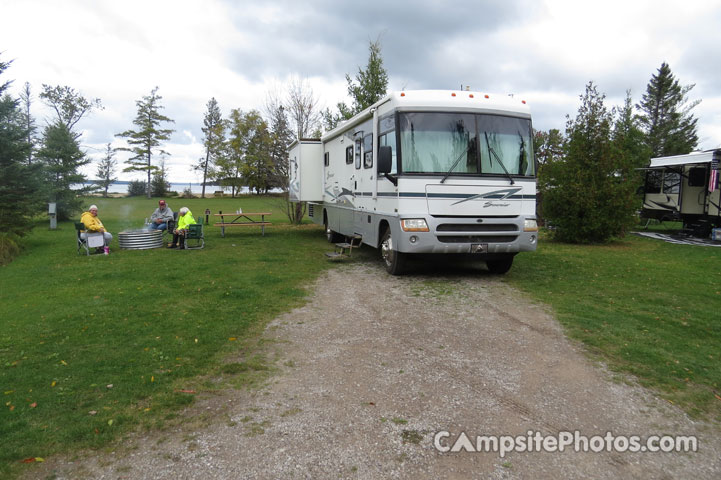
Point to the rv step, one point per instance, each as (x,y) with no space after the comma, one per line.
(344,245)
(333,254)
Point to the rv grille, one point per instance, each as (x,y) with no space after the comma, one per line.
(310,210)
(481,227)
(477,239)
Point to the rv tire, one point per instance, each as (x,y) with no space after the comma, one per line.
(393,259)
(500,266)
(332,236)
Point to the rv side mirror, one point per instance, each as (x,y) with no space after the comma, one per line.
(385,159)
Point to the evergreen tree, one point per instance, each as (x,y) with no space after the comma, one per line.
(281,137)
(214,131)
(106,170)
(628,136)
(146,140)
(20,195)
(589,194)
(370,86)
(666,115)
(62,159)
(159,185)
(28,121)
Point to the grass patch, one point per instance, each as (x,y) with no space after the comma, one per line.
(151,323)
(645,307)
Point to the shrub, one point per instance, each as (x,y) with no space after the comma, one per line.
(9,248)
(137,188)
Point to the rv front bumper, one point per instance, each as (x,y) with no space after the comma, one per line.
(482,235)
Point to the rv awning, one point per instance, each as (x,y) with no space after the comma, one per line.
(691,158)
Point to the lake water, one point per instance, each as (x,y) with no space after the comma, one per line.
(196,188)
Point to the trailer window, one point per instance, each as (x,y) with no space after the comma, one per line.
(653,181)
(671,182)
(326,159)
(349,155)
(368,151)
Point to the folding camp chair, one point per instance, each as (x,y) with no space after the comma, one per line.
(92,240)
(195,233)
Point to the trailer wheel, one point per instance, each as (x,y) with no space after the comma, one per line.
(393,259)
(332,236)
(500,266)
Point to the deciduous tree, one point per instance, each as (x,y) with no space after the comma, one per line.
(147,139)
(69,105)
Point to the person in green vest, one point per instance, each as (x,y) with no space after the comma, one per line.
(185,218)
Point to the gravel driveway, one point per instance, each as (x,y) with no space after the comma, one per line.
(374,366)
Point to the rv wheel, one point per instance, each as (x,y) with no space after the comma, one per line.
(393,259)
(332,236)
(500,266)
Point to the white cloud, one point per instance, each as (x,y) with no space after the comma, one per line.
(235,51)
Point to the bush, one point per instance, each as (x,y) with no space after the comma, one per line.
(137,188)
(9,248)
(187,193)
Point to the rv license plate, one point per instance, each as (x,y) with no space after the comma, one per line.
(479,248)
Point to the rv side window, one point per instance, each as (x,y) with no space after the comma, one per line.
(368,151)
(349,155)
(326,159)
(653,181)
(697,177)
(358,153)
(671,182)
(389,139)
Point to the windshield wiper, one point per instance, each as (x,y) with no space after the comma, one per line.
(455,164)
(491,151)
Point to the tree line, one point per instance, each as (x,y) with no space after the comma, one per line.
(246,149)
(588,178)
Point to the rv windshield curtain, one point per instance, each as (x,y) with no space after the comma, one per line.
(439,143)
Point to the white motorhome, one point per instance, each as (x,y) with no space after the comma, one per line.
(677,188)
(425,171)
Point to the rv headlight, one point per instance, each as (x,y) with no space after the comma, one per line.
(530,225)
(414,225)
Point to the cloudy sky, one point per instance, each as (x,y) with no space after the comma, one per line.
(544,51)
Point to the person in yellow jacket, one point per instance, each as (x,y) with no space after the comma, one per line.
(185,218)
(94,225)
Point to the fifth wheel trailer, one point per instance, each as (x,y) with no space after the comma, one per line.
(426,171)
(684,188)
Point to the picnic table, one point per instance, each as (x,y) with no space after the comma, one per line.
(244,219)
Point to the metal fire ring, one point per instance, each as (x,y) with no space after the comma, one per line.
(140,239)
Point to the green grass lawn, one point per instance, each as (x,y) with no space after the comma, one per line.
(91,347)
(645,307)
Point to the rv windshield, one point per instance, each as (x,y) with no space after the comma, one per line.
(431,143)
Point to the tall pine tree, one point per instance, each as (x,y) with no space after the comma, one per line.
(147,139)
(213,141)
(666,117)
(20,196)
